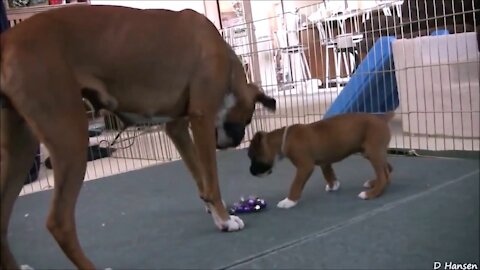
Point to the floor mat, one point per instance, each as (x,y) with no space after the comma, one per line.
(153,218)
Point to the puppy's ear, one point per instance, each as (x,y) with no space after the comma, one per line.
(257,139)
(269,102)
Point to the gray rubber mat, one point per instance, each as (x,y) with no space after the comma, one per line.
(152,218)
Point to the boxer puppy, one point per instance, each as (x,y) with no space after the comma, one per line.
(323,143)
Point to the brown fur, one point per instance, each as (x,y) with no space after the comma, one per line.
(325,142)
(146,62)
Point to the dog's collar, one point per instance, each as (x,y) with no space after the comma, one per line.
(284,140)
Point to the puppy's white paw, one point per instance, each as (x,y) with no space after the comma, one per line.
(368,184)
(286,203)
(26,267)
(234,223)
(335,187)
(363,195)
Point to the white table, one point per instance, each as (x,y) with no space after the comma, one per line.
(324,19)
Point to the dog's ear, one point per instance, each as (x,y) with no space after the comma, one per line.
(269,102)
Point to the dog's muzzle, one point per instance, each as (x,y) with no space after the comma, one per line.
(260,168)
(229,135)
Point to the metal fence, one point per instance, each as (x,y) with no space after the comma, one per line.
(322,56)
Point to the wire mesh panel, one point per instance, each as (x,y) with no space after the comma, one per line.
(419,58)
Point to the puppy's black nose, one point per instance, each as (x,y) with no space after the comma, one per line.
(260,168)
(235,131)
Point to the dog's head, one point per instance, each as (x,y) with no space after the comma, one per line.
(236,114)
(262,157)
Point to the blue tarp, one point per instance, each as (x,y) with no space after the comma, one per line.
(4,24)
(372,87)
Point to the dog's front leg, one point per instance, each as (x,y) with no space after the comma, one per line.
(304,171)
(178,132)
(203,129)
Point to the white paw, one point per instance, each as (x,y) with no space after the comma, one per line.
(234,223)
(26,267)
(363,195)
(368,184)
(336,186)
(286,203)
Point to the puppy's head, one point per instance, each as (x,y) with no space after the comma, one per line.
(262,157)
(236,114)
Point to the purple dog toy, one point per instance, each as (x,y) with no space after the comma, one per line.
(250,205)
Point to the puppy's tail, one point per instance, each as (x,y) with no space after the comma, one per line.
(387,116)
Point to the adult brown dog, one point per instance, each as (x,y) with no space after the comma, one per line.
(323,143)
(134,63)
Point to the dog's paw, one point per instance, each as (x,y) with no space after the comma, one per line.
(26,267)
(286,203)
(234,223)
(363,195)
(368,184)
(335,187)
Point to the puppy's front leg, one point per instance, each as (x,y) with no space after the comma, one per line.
(304,171)
(203,129)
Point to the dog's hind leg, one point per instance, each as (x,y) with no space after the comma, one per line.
(18,147)
(59,120)
(44,92)
(69,157)
(68,153)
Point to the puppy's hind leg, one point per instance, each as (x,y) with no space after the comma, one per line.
(371,183)
(18,147)
(381,167)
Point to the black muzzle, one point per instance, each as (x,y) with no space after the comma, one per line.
(259,168)
(235,131)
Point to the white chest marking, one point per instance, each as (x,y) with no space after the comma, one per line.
(228,103)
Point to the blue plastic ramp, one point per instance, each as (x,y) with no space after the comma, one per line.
(372,87)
